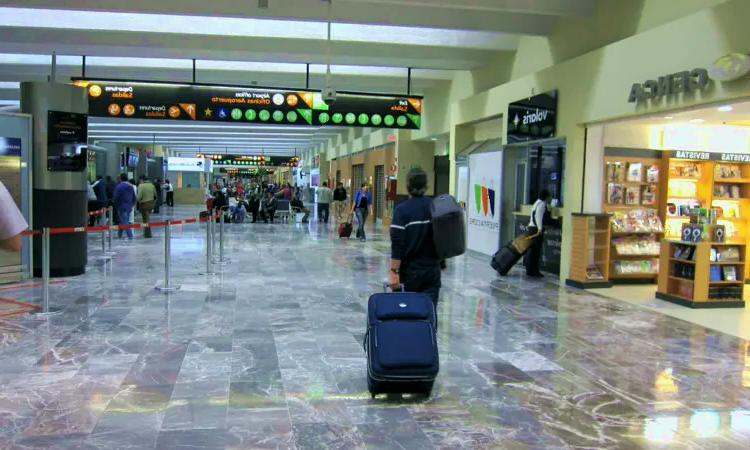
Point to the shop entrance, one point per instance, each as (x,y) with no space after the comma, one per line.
(658,177)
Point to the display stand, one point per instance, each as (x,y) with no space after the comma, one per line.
(702,274)
(589,267)
(632,194)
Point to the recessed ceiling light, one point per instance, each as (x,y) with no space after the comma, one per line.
(433,139)
(669,117)
(726,108)
(697,121)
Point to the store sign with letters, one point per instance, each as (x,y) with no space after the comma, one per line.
(676,83)
(533,118)
(175,164)
(710,156)
(136,100)
(730,67)
(10,146)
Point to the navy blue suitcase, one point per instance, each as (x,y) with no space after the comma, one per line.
(401,346)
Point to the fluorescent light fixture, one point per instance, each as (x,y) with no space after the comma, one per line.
(10,84)
(669,117)
(697,121)
(10,103)
(433,139)
(251,27)
(726,108)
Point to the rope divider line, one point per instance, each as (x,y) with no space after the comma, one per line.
(101,211)
(121,227)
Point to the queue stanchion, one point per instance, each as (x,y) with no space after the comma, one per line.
(46,310)
(209,247)
(105,256)
(167,263)
(221,260)
(111,232)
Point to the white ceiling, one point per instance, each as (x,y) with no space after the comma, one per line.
(374,42)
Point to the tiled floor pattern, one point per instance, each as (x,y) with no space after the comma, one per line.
(268,355)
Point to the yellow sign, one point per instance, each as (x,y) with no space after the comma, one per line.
(730,67)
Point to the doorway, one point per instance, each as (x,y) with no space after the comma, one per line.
(358,177)
(442,175)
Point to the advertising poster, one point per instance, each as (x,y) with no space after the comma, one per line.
(485,183)
(249,105)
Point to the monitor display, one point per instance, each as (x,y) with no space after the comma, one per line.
(67,135)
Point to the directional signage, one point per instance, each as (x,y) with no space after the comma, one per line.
(249,105)
(252,160)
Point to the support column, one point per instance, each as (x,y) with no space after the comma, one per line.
(59,197)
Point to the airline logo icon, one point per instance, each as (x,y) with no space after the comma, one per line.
(174,112)
(484,197)
(95,91)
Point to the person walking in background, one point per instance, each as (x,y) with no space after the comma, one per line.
(124,201)
(170,194)
(414,260)
(110,188)
(339,201)
(100,190)
(158,201)
(361,206)
(536,227)
(325,198)
(146,199)
(12,222)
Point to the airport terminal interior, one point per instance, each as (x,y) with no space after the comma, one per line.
(174,273)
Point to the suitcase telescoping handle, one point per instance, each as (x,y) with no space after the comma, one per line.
(386,287)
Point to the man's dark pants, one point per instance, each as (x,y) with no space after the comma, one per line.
(324,209)
(422,279)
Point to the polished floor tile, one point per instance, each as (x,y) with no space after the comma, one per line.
(268,354)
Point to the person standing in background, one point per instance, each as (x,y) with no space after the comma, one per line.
(124,201)
(12,222)
(146,199)
(110,188)
(339,201)
(536,227)
(361,206)
(325,198)
(170,194)
(158,201)
(135,191)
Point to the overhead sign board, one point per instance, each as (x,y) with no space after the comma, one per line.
(176,164)
(533,118)
(253,160)
(710,156)
(249,105)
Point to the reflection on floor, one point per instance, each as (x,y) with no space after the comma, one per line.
(268,355)
(732,321)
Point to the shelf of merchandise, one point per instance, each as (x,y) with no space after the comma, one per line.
(590,246)
(632,278)
(737,227)
(671,286)
(674,194)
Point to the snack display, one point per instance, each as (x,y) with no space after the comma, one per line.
(637,221)
(648,196)
(646,245)
(637,267)
(592,273)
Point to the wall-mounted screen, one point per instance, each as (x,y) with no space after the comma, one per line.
(66,141)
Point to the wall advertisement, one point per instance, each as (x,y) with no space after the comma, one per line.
(485,184)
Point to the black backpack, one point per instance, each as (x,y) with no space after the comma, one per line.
(448,229)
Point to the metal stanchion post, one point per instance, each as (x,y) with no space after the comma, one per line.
(209,247)
(105,256)
(167,266)
(46,310)
(222,261)
(111,232)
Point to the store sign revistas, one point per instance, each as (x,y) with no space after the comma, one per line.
(676,83)
(710,156)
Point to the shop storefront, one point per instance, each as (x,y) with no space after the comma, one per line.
(651,73)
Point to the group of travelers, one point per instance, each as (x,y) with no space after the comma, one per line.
(127,196)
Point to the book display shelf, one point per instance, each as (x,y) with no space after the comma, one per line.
(632,196)
(702,274)
(722,188)
(590,263)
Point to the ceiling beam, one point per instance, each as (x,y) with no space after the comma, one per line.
(515,17)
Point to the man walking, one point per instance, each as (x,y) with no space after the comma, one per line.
(124,200)
(339,201)
(414,260)
(170,194)
(325,197)
(146,198)
(361,207)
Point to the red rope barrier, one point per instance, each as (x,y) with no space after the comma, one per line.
(121,227)
(94,213)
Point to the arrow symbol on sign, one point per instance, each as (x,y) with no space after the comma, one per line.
(189,108)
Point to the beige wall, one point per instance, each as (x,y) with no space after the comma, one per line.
(383,156)
(411,152)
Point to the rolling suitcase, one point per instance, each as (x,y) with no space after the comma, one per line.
(345,229)
(401,346)
(505,259)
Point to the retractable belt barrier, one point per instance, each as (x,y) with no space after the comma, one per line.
(96,213)
(46,311)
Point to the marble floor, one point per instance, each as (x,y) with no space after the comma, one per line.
(268,355)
